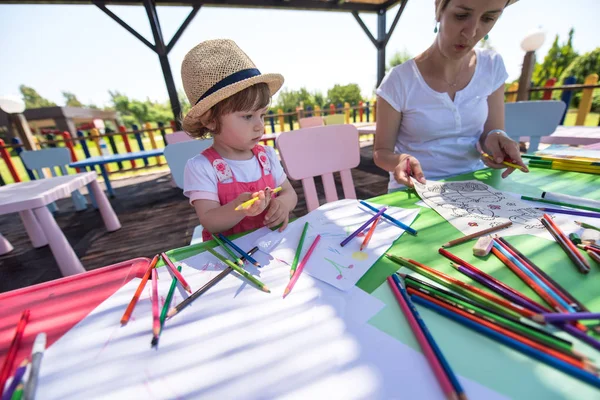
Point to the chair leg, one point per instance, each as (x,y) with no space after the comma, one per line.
(52,207)
(111,221)
(92,197)
(5,246)
(34,230)
(79,201)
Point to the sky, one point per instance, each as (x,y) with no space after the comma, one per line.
(55,48)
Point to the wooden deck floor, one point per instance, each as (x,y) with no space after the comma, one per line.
(154,215)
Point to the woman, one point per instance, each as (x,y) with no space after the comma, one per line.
(436,112)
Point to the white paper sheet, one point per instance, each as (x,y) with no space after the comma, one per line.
(338,266)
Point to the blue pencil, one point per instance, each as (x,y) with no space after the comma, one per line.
(538,355)
(438,353)
(391,219)
(240,251)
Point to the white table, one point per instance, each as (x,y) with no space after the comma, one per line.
(30,200)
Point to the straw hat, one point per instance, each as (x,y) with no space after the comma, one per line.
(217,69)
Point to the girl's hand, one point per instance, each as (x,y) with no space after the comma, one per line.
(502,148)
(278,214)
(402,173)
(257,207)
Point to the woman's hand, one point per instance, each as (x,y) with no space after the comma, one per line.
(258,206)
(404,170)
(502,148)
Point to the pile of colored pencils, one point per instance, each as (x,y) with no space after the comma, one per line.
(563,164)
(568,247)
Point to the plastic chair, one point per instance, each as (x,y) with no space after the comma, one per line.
(177,137)
(533,119)
(338,150)
(58,157)
(177,155)
(310,122)
(334,119)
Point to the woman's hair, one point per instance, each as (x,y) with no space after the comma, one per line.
(252,98)
(440,6)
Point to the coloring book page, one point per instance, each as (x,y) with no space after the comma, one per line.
(338,266)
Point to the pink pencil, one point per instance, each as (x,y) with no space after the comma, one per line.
(155,316)
(177,274)
(296,275)
(427,351)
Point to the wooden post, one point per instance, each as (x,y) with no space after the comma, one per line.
(548,93)
(138,138)
(69,145)
(8,160)
(374,110)
(317,110)
(122,130)
(272,121)
(19,150)
(567,95)
(23,131)
(281,120)
(150,133)
(525,79)
(361,111)
(585,105)
(511,98)
(346,112)
(290,119)
(331,109)
(367,111)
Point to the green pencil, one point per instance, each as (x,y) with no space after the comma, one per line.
(298,250)
(240,271)
(587,226)
(18,393)
(558,203)
(228,250)
(163,313)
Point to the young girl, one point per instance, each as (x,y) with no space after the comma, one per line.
(230,98)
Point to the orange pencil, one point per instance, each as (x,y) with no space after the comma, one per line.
(138,292)
(369,234)
(177,274)
(155,316)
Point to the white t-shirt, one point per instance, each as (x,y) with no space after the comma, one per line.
(439,132)
(200,178)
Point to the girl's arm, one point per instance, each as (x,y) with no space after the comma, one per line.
(388,124)
(215,217)
(281,206)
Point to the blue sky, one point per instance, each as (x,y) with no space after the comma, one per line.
(80,49)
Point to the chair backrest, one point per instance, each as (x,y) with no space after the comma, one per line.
(534,119)
(334,119)
(321,150)
(176,137)
(177,155)
(310,122)
(47,158)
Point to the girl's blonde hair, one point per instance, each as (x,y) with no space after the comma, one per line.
(252,98)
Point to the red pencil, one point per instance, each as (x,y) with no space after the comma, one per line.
(408,169)
(138,292)
(566,239)
(300,268)
(9,361)
(369,234)
(177,274)
(155,315)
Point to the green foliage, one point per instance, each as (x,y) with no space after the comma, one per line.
(583,66)
(556,62)
(33,99)
(398,58)
(134,111)
(71,100)
(290,99)
(339,94)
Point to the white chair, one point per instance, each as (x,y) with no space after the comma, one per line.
(533,120)
(177,155)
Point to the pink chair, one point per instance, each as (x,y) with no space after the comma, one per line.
(310,122)
(338,150)
(176,137)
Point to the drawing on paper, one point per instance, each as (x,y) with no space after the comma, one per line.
(339,268)
(360,255)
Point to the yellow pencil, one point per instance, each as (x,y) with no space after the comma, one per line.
(508,164)
(248,203)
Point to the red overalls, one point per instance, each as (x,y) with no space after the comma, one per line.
(230,191)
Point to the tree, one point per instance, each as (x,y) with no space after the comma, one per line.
(580,68)
(33,99)
(557,60)
(71,100)
(398,58)
(347,93)
(290,99)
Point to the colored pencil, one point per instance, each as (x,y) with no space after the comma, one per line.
(594,256)
(393,220)
(560,317)
(37,353)
(369,234)
(248,203)
(491,300)
(567,357)
(581,267)
(512,324)
(11,355)
(138,291)
(579,305)
(301,266)
(476,234)
(362,227)
(155,314)
(176,272)
(235,257)
(570,212)
(507,163)
(408,170)
(435,364)
(16,381)
(173,311)
(241,252)
(573,160)
(18,394)
(565,238)
(587,226)
(240,271)
(565,167)
(298,250)
(169,298)
(530,279)
(552,361)
(558,203)
(589,248)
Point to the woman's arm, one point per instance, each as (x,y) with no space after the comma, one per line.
(388,124)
